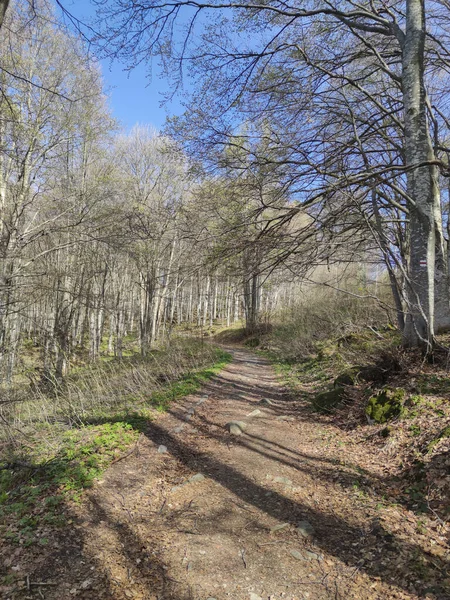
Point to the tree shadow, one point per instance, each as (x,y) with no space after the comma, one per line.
(392,559)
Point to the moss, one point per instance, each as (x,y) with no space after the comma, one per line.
(352,376)
(445,433)
(349,377)
(326,401)
(386,405)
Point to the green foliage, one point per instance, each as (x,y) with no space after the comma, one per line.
(415,430)
(36,495)
(445,433)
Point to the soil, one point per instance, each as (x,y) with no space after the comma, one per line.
(290,508)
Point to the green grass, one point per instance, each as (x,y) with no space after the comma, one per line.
(190,383)
(31,498)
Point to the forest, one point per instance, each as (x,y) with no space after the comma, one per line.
(225,343)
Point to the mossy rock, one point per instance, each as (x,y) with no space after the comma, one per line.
(386,405)
(326,401)
(359,373)
(348,377)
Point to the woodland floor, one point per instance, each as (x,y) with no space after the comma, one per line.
(217,516)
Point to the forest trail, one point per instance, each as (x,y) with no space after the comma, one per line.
(272,513)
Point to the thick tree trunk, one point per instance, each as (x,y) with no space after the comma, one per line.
(422,185)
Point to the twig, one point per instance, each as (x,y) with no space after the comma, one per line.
(134,449)
(243,558)
(38,583)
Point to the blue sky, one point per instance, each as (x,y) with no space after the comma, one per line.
(134,98)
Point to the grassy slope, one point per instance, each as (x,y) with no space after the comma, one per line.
(418,441)
(31,497)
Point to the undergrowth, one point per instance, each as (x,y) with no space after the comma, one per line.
(55,461)
(374,367)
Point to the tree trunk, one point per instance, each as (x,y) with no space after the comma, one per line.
(422,186)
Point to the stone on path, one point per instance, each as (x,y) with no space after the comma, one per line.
(255,597)
(279,527)
(196,477)
(162,449)
(305,555)
(305,529)
(178,429)
(236,427)
(265,402)
(285,418)
(255,413)
(283,480)
(312,555)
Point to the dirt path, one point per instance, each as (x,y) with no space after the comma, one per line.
(273,513)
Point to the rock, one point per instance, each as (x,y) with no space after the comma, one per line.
(188,417)
(162,449)
(296,554)
(326,401)
(348,377)
(86,584)
(311,555)
(285,418)
(265,402)
(279,527)
(196,477)
(255,413)
(191,411)
(236,427)
(305,529)
(178,429)
(176,487)
(283,480)
(255,596)
(386,405)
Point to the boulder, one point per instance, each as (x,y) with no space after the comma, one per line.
(326,401)
(236,427)
(386,405)
(255,413)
